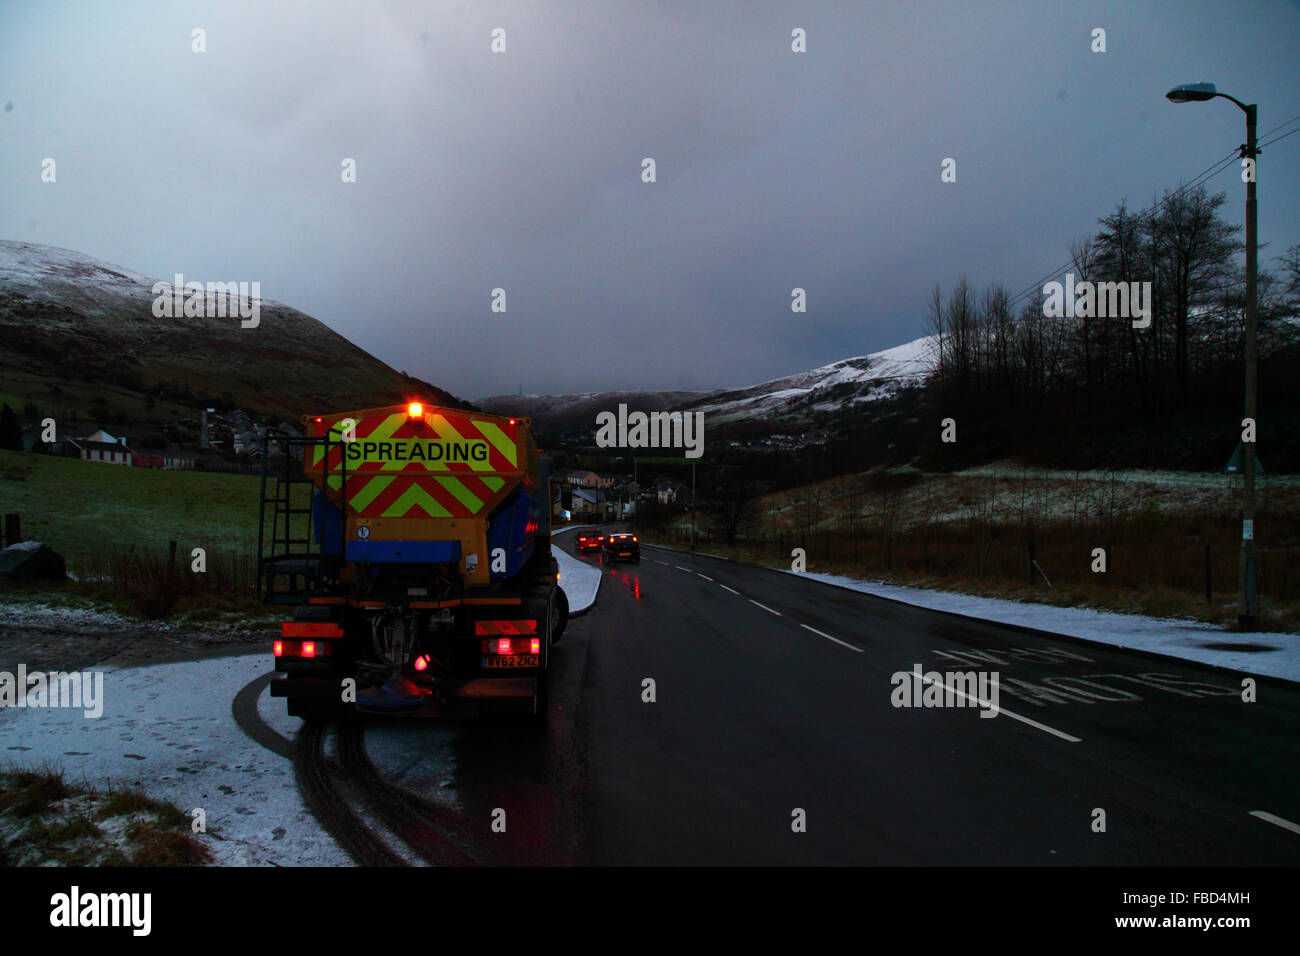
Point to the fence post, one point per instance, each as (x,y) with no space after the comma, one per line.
(13,531)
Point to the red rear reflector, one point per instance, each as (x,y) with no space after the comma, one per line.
(310,629)
(279,648)
(535,646)
(308,648)
(503,646)
(497,628)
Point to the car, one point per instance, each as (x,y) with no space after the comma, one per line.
(622,546)
(590,540)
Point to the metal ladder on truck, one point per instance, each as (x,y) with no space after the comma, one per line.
(290,552)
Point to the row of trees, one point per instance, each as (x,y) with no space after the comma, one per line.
(1001,361)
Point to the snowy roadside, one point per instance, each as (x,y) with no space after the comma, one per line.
(579,580)
(168,730)
(1262,655)
(1265,654)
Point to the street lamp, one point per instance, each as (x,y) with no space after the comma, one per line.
(1247,597)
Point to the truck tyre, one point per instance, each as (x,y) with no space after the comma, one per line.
(559,614)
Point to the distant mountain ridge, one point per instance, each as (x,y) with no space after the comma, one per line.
(786,402)
(68,317)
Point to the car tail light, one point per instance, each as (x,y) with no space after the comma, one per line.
(503,646)
(634,537)
(422,662)
(279,648)
(535,646)
(308,648)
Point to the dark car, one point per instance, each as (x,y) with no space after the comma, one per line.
(590,540)
(621,546)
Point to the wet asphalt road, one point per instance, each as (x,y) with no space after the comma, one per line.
(773,696)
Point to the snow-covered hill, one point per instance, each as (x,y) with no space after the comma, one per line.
(66,317)
(866,378)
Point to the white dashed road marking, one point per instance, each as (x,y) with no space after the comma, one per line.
(1276,820)
(829,638)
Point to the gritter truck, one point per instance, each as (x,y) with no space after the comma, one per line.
(413,544)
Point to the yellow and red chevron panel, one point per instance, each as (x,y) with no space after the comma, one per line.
(419,461)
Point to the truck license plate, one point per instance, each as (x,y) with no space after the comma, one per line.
(625,554)
(511,660)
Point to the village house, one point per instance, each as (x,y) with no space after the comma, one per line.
(100,446)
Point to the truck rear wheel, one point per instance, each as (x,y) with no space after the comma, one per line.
(559,614)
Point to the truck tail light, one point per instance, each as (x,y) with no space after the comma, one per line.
(503,646)
(534,646)
(312,650)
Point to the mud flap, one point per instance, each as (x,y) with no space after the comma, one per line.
(394,694)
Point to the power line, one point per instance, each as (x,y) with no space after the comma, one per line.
(1204,176)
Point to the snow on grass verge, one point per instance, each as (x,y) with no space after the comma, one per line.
(46,822)
(167,729)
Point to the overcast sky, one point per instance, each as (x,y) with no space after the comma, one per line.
(522,170)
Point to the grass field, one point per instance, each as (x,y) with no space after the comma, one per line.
(113,525)
(85,510)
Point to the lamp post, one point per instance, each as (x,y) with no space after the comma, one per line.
(1247,565)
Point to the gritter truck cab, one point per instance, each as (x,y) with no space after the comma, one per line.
(413,543)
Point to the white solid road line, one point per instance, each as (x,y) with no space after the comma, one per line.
(1003,710)
(829,638)
(705,576)
(725,588)
(1276,820)
(765,608)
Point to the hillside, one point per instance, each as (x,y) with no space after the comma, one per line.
(76,329)
(800,398)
